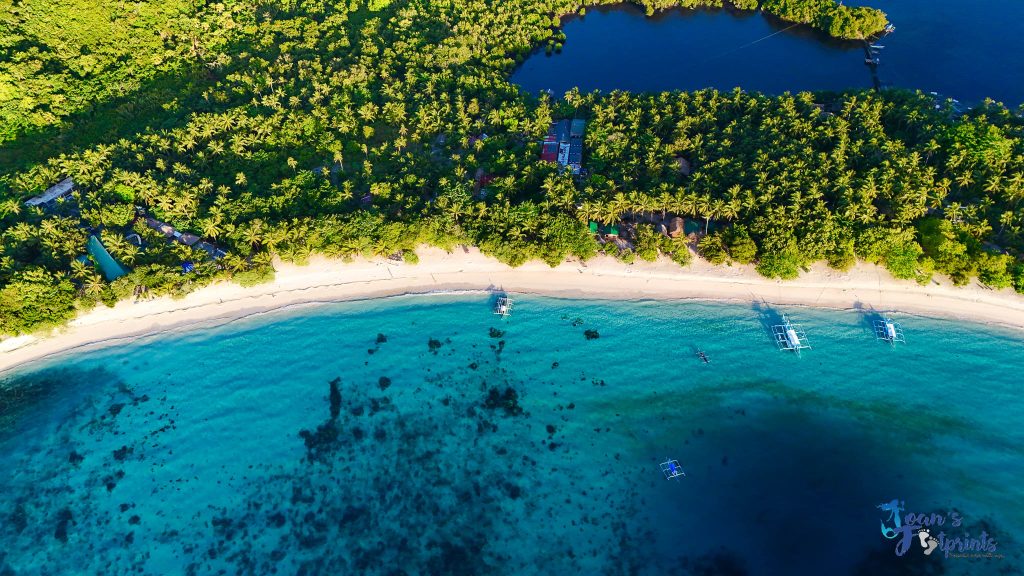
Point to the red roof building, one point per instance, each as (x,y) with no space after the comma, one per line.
(564,144)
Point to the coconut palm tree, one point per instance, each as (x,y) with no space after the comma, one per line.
(10,207)
(93,286)
(705,206)
(252,232)
(210,227)
(80,270)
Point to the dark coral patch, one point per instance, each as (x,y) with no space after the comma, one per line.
(121,453)
(335,397)
(508,401)
(64,518)
(321,442)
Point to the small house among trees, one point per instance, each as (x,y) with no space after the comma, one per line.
(166,229)
(480,182)
(564,144)
(53,193)
(186,238)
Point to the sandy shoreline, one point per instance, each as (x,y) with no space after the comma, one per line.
(325,280)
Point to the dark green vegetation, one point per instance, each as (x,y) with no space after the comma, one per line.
(851,23)
(838,20)
(292,128)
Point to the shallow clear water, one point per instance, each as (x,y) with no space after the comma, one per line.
(964,50)
(202,451)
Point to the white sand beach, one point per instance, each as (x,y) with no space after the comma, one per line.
(326,280)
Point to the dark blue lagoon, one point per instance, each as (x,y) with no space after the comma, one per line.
(963,50)
(424,436)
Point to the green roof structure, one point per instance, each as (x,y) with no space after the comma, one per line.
(111,268)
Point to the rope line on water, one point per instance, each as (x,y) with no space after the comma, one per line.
(749,44)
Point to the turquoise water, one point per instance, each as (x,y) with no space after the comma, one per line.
(443,447)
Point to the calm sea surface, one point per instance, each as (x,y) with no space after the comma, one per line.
(457,443)
(964,50)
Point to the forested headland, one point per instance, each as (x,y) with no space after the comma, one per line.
(287,128)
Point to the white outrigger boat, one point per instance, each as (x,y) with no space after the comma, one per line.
(889,331)
(503,306)
(789,336)
(672,470)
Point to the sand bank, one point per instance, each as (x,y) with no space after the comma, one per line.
(325,280)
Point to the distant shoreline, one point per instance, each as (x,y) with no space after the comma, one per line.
(325,281)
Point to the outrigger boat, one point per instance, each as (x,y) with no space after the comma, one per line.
(672,470)
(789,336)
(889,331)
(503,306)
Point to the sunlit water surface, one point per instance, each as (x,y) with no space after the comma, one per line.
(460,443)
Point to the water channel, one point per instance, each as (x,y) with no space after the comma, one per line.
(967,51)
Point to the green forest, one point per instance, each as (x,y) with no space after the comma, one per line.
(286,128)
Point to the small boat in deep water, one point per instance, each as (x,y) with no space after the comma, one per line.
(671,469)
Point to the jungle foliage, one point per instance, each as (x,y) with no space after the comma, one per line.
(287,128)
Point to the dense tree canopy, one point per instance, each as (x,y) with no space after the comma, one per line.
(355,128)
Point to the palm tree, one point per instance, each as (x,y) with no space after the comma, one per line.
(10,207)
(93,286)
(253,232)
(586,211)
(954,212)
(714,212)
(705,206)
(235,263)
(664,202)
(262,259)
(964,179)
(210,227)
(931,148)
(616,206)
(1006,220)
(731,209)
(993,184)
(689,204)
(79,270)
